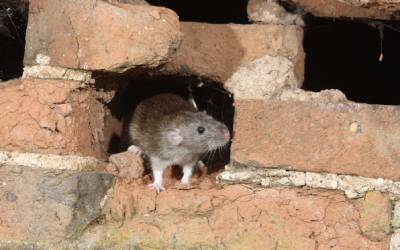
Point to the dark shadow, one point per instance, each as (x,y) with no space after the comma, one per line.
(344,55)
(13,22)
(207,11)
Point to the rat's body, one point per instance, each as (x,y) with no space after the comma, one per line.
(170,131)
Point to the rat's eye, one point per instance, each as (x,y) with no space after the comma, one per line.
(201,130)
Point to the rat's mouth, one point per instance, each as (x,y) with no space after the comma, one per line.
(218,144)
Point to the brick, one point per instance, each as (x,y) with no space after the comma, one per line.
(231,217)
(238,217)
(318,136)
(375,214)
(49,205)
(383,9)
(96,35)
(215,51)
(51,116)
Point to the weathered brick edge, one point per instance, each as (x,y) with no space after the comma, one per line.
(352,186)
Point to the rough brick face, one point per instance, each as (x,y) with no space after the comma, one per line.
(341,138)
(238,217)
(53,199)
(375,214)
(96,35)
(42,204)
(215,51)
(50,116)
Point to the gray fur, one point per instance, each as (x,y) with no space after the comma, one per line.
(157,117)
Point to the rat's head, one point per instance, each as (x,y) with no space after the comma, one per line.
(197,132)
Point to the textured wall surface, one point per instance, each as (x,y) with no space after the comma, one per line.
(45,116)
(308,170)
(49,205)
(97,35)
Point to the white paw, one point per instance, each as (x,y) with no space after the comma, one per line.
(135,149)
(185,182)
(201,164)
(156,186)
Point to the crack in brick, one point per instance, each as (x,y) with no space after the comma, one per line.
(76,38)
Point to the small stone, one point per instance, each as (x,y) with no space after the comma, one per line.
(266,182)
(42,59)
(317,180)
(396,215)
(298,178)
(395,241)
(375,214)
(236,176)
(127,165)
(11,197)
(264,76)
(271,12)
(355,127)
(284,181)
(351,194)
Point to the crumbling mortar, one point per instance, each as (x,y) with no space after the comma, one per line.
(57,73)
(353,186)
(50,161)
(76,38)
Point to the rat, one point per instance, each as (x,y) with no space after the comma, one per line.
(170,131)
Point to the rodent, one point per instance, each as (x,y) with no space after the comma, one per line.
(170,131)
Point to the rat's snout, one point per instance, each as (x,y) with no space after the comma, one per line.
(226,133)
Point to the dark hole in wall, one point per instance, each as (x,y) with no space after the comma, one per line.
(207,11)
(13,22)
(344,55)
(209,97)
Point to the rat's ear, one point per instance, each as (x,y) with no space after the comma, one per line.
(174,136)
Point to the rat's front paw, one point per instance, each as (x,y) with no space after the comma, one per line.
(135,149)
(156,186)
(185,182)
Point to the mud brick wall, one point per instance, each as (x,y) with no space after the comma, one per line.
(307,170)
(44,116)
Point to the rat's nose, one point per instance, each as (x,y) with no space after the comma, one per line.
(227,135)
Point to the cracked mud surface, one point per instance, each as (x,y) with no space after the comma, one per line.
(232,217)
(43,116)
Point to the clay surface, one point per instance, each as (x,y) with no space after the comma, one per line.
(233,217)
(96,35)
(375,213)
(51,116)
(343,138)
(215,51)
